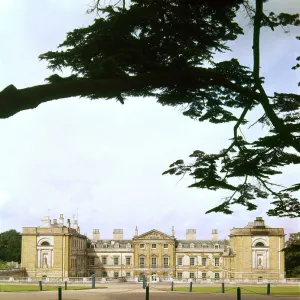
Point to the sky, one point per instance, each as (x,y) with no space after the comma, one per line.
(106,159)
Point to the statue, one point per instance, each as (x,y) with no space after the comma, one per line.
(45,262)
(259,261)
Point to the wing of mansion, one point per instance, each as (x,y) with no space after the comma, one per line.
(57,249)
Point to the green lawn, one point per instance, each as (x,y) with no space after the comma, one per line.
(31,288)
(276,290)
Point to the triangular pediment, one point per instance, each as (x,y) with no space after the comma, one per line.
(154,235)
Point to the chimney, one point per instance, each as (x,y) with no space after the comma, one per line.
(55,222)
(259,222)
(118,234)
(75,225)
(214,235)
(46,222)
(61,220)
(136,231)
(173,231)
(225,245)
(96,234)
(68,223)
(190,234)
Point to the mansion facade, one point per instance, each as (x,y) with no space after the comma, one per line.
(58,249)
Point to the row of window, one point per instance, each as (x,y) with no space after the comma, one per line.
(193,261)
(166,246)
(192,245)
(116,245)
(203,276)
(91,261)
(154,262)
(153,246)
(78,243)
(77,262)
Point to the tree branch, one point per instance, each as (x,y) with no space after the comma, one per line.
(13,100)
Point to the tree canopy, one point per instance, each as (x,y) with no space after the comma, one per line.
(165,49)
(10,246)
(292,255)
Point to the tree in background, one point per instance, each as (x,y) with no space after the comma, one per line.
(10,246)
(292,256)
(165,49)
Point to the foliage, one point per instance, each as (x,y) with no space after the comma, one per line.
(166,48)
(292,256)
(10,246)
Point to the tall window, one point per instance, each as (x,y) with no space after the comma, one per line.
(192,275)
(217,261)
(217,275)
(91,260)
(153,262)
(116,275)
(166,262)
(116,261)
(179,261)
(104,260)
(203,261)
(179,275)
(128,274)
(166,246)
(153,246)
(192,261)
(142,262)
(127,261)
(104,274)
(203,275)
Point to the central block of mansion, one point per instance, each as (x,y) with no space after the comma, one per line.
(58,249)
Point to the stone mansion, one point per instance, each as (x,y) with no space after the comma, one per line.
(57,249)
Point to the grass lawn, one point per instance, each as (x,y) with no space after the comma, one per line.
(32,288)
(276,290)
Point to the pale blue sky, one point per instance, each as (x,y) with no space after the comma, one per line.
(104,158)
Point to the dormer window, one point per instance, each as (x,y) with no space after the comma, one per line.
(192,245)
(179,245)
(217,246)
(116,245)
(128,245)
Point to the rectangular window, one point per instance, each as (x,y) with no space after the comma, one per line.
(153,260)
(179,275)
(104,274)
(142,262)
(116,275)
(166,262)
(217,261)
(142,246)
(217,275)
(203,261)
(127,261)
(166,246)
(104,260)
(192,261)
(153,246)
(116,261)
(203,275)
(91,260)
(179,261)
(192,275)
(128,274)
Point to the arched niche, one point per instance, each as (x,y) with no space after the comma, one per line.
(45,252)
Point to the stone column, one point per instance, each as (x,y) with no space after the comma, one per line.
(39,258)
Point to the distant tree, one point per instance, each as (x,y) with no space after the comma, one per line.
(292,256)
(10,246)
(165,49)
